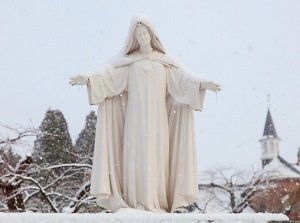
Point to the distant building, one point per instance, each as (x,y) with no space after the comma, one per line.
(282,185)
(274,189)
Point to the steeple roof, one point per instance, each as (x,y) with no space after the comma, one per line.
(269,126)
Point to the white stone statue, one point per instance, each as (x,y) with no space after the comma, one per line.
(145,153)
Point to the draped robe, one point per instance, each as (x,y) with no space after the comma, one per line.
(145,153)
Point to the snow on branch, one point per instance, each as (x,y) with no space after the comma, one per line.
(69,165)
(42,191)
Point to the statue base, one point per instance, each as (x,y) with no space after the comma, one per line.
(137,216)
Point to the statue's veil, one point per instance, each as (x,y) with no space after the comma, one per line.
(132,45)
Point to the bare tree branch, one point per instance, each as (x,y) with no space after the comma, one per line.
(19,133)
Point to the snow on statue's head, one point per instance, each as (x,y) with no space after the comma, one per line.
(131,43)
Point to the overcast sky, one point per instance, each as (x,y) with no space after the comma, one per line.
(252,48)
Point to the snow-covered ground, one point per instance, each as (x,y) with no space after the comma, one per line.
(136,216)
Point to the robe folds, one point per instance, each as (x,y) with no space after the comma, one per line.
(145,153)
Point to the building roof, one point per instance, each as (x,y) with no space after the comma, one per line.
(280,168)
(270,130)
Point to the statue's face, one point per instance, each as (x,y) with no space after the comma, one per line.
(142,35)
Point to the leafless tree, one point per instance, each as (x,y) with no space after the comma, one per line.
(40,187)
(230,189)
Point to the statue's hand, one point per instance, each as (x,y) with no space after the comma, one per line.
(78,80)
(211,86)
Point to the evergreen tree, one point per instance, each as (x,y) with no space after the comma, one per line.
(10,183)
(86,139)
(7,155)
(54,144)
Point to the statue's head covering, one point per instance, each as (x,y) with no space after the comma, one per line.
(131,43)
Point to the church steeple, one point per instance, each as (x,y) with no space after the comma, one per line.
(269,130)
(270,141)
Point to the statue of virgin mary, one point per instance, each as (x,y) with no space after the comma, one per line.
(145,153)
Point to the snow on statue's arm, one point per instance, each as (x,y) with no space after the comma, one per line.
(106,83)
(187,88)
(205,84)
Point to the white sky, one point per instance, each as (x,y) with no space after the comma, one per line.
(251,48)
